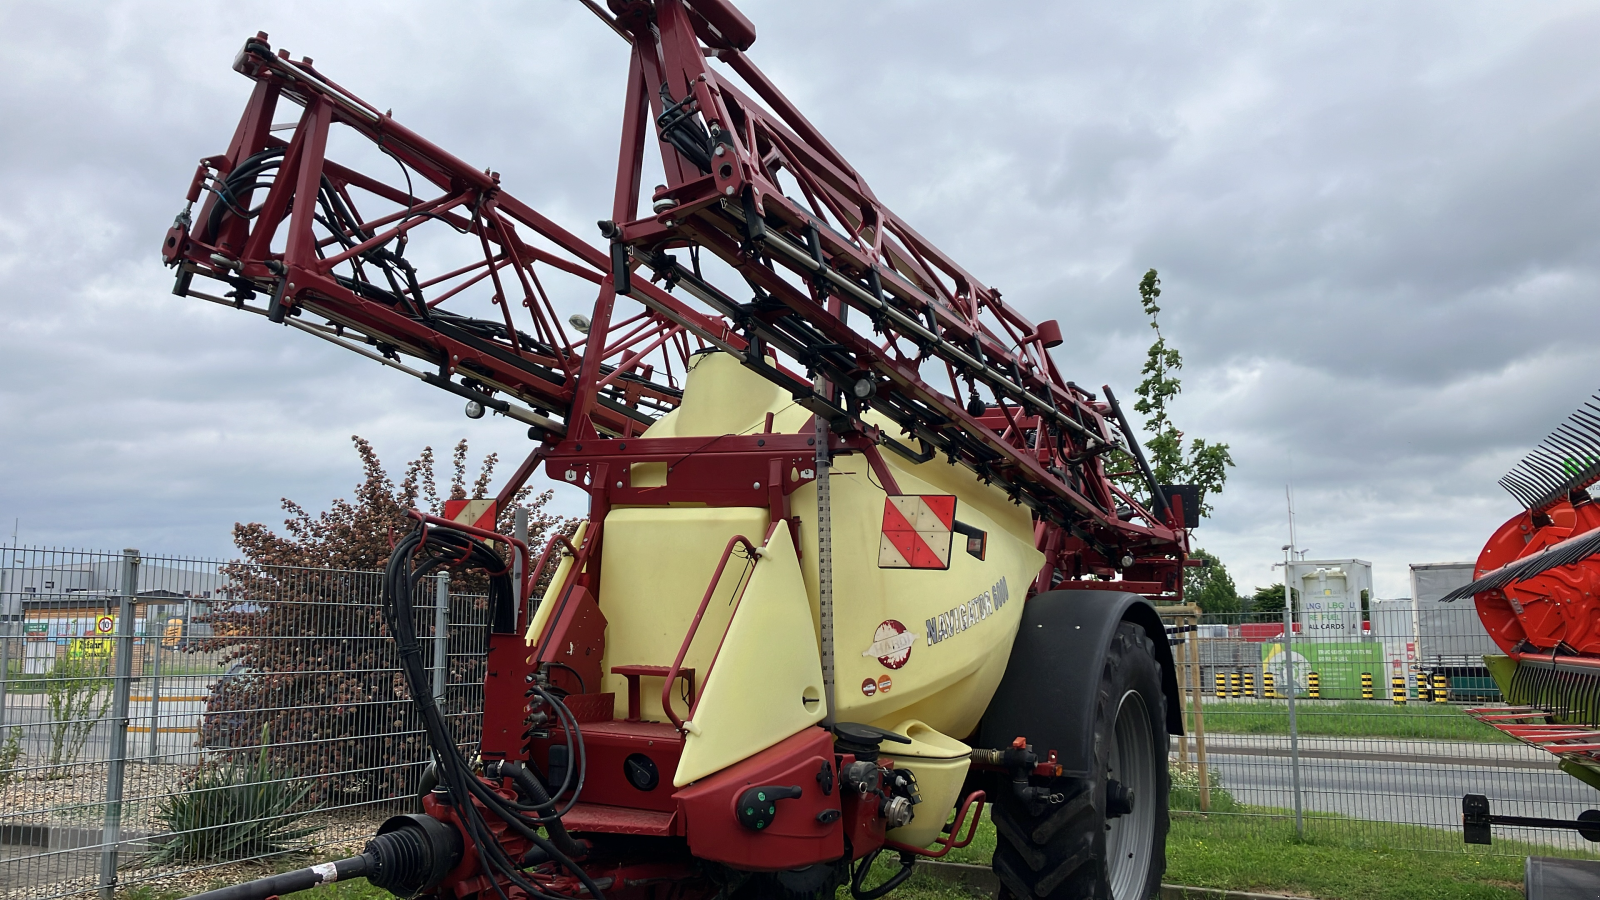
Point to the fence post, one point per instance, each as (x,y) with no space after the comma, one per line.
(1199,722)
(9,589)
(119,725)
(1294,688)
(441,636)
(153,642)
(5,658)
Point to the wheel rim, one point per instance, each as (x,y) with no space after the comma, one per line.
(1130,838)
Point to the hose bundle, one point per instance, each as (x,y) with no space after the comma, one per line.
(415,556)
(241,181)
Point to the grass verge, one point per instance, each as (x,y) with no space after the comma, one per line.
(1336,859)
(1349,718)
(1263,854)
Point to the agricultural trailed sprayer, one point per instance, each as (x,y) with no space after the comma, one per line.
(853,567)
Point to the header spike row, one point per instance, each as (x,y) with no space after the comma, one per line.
(1567,460)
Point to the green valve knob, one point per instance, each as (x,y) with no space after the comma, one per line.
(758,805)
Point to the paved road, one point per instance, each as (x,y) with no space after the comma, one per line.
(1401,792)
(179,711)
(1412,782)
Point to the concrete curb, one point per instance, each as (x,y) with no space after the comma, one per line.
(982,879)
(1179,892)
(978,878)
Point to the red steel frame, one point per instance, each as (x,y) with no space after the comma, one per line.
(851,309)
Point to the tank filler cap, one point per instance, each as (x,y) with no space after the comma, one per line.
(863,740)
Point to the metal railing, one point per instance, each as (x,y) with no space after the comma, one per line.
(163,717)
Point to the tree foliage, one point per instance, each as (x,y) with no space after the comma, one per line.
(301,617)
(1201,463)
(1266,605)
(1210,587)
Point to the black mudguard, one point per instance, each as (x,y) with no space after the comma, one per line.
(1047,694)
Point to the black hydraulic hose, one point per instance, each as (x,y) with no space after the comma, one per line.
(288,882)
(409,854)
(546,807)
(414,557)
(246,172)
(858,888)
(1138,454)
(574,735)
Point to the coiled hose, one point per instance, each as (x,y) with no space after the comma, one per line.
(414,558)
(411,854)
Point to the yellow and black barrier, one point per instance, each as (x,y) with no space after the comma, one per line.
(1250,684)
(1272,689)
(1397,687)
(1233,685)
(1441,688)
(1366,686)
(1314,686)
(1222,686)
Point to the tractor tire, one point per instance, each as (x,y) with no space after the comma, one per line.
(1070,848)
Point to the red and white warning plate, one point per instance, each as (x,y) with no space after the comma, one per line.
(916,531)
(473,513)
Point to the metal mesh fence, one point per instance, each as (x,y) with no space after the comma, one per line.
(1380,741)
(162,717)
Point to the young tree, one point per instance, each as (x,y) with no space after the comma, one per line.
(1210,586)
(1202,464)
(301,615)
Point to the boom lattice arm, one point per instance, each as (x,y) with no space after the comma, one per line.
(834,297)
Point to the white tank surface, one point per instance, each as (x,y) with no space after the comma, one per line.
(923,645)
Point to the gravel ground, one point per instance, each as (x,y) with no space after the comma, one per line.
(79,801)
(51,831)
(343,834)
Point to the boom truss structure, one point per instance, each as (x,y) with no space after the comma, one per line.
(764,243)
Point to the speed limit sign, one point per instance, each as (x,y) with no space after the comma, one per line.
(105,624)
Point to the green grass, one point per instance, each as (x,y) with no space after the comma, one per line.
(19,683)
(1337,860)
(1349,718)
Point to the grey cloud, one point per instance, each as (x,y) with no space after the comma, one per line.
(1375,224)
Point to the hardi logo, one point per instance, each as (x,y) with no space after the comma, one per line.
(891,644)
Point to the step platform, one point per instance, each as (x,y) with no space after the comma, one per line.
(1553,878)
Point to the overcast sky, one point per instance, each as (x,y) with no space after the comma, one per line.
(1376,226)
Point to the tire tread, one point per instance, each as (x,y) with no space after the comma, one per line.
(1060,854)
